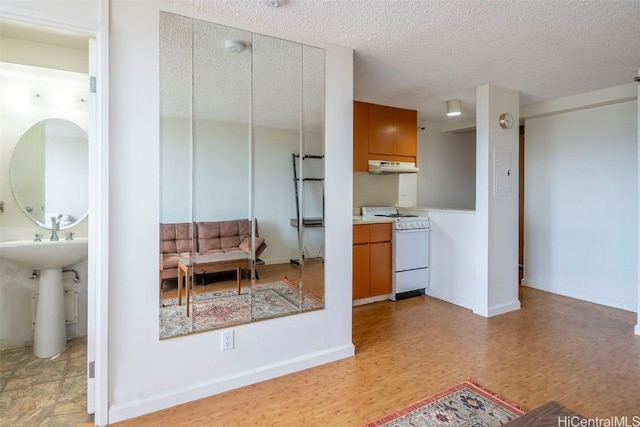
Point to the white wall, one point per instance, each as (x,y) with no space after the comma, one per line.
(274,193)
(581,204)
(140,379)
(496,202)
(447,162)
(453,260)
(637,328)
(374,190)
(452,256)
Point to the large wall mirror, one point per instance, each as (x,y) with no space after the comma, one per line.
(241,176)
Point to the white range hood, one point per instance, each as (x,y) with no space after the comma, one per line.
(387,167)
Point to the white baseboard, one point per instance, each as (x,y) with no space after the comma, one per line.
(498,309)
(127,410)
(583,296)
(504,308)
(453,300)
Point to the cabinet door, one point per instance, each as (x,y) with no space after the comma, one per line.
(405,142)
(380,268)
(360,136)
(360,278)
(380,129)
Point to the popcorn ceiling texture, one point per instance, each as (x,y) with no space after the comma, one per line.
(417,54)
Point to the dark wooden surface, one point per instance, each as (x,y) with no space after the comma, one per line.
(550,414)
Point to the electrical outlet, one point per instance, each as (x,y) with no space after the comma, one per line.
(227,340)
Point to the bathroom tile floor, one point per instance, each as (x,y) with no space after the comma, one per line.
(44,392)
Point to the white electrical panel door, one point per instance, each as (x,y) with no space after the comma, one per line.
(502,172)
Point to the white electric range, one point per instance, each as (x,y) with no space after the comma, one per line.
(410,249)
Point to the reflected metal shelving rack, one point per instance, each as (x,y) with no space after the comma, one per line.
(307,222)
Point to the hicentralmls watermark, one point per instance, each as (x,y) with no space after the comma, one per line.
(575,421)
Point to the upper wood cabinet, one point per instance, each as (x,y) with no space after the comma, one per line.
(383,133)
(381,129)
(405,136)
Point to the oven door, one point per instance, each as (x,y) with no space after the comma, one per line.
(410,249)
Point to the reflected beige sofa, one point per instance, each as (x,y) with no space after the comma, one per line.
(208,237)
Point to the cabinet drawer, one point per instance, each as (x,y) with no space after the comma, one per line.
(360,234)
(380,232)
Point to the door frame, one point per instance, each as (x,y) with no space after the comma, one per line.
(98,230)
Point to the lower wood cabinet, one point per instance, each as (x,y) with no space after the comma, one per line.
(371,260)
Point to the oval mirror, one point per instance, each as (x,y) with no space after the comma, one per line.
(49,173)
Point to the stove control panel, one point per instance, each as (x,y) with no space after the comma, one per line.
(412,224)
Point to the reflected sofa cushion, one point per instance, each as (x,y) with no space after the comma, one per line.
(207,237)
(227,236)
(175,242)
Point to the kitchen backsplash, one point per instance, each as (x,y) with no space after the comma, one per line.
(384,190)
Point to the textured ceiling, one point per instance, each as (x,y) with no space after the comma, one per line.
(417,54)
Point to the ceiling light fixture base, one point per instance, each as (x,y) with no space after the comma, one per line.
(276,3)
(453,107)
(235,46)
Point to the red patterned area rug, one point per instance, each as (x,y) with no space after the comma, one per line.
(467,404)
(220,309)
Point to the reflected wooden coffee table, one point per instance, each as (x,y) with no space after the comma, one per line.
(211,263)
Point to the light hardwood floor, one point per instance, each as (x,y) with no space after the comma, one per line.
(582,355)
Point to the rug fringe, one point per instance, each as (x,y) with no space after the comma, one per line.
(474,383)
(288,281)
(470,384)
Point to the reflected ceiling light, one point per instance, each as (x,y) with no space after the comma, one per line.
(275,3)
(235,46)
(453,107)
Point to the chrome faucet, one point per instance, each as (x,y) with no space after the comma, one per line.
(55,226)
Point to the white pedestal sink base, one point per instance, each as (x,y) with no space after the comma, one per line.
(50,336)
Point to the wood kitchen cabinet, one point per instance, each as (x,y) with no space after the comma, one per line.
(371,260)
(383,133)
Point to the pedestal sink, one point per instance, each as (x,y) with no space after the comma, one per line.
(50,336)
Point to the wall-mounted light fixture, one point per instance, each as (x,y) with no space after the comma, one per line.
(453,107)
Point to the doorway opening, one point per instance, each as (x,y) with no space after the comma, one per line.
(45,74)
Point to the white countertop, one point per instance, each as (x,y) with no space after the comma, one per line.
(443,210)
(370,220)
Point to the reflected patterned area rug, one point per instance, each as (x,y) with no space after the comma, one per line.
(213,310)
(467,404)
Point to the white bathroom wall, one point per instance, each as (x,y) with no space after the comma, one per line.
(19,110)
(581,204)
(262,350)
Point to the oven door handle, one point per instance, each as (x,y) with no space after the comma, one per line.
(413,230)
